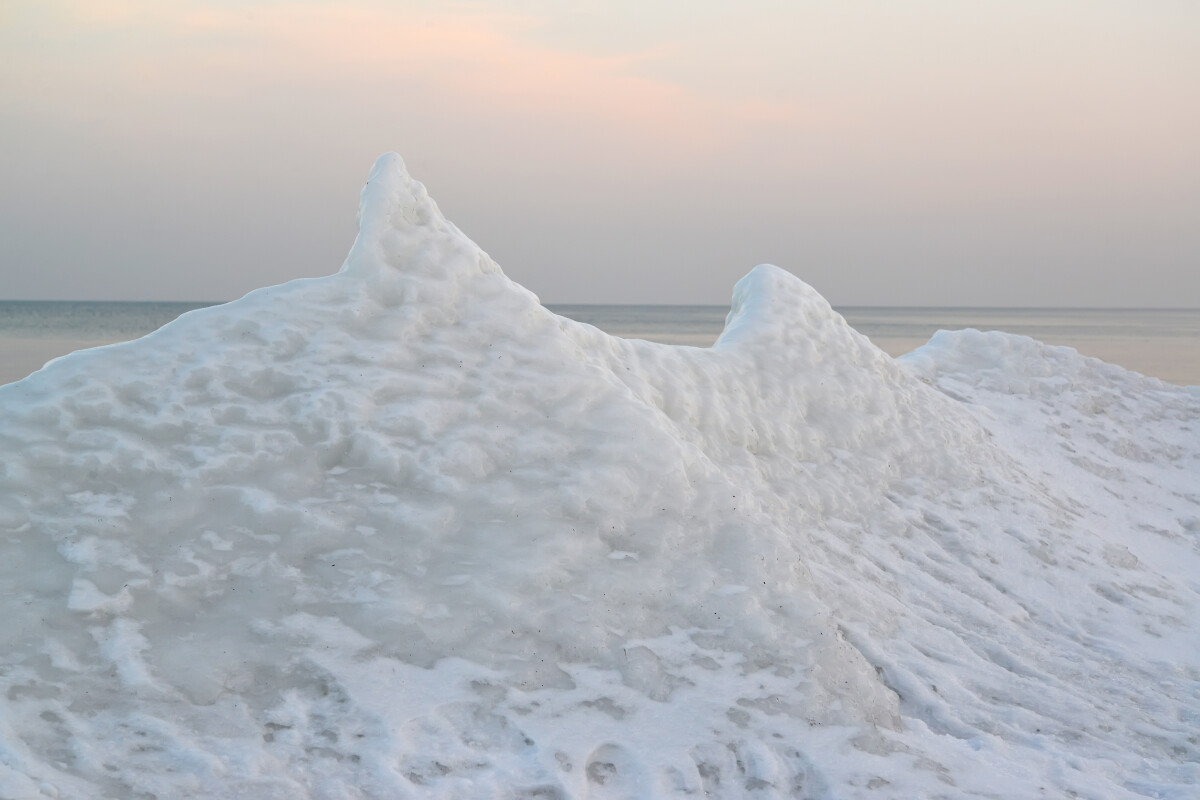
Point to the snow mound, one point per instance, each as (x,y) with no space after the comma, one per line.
(402,532)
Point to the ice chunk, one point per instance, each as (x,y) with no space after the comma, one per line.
(401,531)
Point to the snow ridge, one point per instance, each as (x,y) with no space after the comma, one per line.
(401,531)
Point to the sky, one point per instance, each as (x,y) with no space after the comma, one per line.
(898,152)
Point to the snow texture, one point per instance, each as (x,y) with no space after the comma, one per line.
(402,532)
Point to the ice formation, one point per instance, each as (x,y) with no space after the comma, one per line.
(402,532)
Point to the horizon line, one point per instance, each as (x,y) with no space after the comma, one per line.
(550,305)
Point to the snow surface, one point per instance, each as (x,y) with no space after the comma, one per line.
(402,532)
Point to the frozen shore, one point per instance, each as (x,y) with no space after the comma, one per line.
(403,532)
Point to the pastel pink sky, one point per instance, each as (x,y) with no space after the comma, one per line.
(897,153)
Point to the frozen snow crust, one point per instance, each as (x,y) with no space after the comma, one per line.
(402,532)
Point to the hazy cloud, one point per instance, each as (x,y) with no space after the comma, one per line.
(931,152)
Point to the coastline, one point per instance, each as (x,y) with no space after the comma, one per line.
(1174,360)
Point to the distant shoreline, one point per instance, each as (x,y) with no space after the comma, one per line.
(1163,343)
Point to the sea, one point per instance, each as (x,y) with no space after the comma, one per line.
(1163,343)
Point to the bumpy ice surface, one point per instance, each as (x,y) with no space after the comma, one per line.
(402,532)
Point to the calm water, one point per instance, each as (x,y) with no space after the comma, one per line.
(70,319)
(1163,343)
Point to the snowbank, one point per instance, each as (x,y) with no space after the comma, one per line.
(401,532)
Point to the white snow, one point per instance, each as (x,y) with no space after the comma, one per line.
(402,532)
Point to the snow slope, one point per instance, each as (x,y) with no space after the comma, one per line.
(402,532)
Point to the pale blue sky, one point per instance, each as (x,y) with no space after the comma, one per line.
(895,153)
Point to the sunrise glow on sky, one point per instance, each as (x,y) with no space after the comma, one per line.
(913,153)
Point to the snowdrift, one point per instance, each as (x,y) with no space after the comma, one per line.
(402,532)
